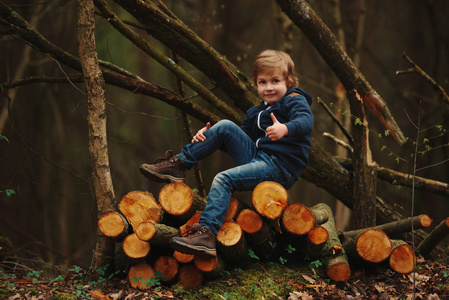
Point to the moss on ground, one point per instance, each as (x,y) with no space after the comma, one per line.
(258,281)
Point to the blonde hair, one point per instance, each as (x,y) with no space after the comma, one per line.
(268,60)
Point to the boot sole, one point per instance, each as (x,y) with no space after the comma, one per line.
(200,251)
(159,177)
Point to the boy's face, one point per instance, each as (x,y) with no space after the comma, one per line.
(271,85)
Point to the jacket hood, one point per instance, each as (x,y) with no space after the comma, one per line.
(302,92)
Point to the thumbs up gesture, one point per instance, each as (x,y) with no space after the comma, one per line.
(277,130)
(199,136)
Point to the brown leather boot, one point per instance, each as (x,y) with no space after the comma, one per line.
(198,240)
(166,169)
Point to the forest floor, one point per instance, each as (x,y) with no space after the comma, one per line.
(256,280)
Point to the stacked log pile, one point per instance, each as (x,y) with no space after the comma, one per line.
(142,228)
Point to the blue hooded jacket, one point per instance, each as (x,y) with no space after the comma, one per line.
(292,151)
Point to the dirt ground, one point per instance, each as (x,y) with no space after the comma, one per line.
(258,281)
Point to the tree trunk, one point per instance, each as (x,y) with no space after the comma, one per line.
(364,173)
(96,121)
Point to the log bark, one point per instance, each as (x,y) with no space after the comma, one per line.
(167,266)
(163,234)
(258,233)
(402,258)
(178,200)
(334,255)
(364,174)
(96,124)
(134,247)
(140,275)
(435,237)
(298,219)
(270,199)
(231,242)
(189,276)
(139,207)
(114,225)
(397,227)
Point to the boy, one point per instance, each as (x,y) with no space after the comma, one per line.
(272,145)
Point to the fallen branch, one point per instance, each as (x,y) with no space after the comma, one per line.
(435,237)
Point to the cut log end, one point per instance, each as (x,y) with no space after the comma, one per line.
(229,234)
(298,219)
(425,220)
(167,266)
(205,264)
(183,258)
(318,235)
(146,230)
(176,198)
(402,259)
(139,275)
(112,224)
(373,245)
(249,221)
(233,209)
(135,247)
(270,199)
(139,207)
(339,272)
(190,276)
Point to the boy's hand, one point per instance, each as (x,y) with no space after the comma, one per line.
(277,130)
(199,136)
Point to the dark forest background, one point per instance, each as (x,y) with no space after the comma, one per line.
(44,158)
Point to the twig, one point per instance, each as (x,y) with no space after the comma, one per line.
(416,69)
(334,118)
(340,142)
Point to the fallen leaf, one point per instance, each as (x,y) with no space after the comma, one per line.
(309,279)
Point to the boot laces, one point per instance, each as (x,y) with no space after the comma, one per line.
(191,231)
(169,158)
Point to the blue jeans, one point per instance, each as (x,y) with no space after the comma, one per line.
(253,167)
